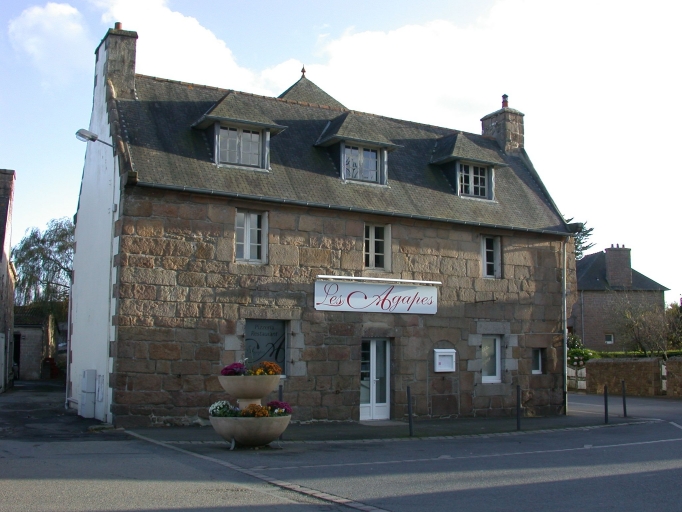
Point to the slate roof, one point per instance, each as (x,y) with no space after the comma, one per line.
(591,273)
(167,151)
(354,127)
(307,92)
(459,146)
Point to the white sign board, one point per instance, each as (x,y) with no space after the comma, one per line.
(375,298)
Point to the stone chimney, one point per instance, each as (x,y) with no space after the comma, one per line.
(119,65)
(618,266)
(506,126)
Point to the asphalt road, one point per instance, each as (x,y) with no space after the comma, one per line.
(624,467)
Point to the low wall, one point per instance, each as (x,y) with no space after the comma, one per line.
(642,376)
(674,377)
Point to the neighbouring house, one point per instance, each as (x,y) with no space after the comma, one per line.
(364,254)
(7,280)
(36,335)
(606,282)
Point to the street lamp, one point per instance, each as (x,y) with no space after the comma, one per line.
(85,136)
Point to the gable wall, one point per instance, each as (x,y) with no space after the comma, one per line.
(183,301)
(597,313)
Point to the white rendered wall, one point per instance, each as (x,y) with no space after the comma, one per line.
(93,305)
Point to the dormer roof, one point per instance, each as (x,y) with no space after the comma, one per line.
(460,146)
(238,109)
(306,91)
(354,127)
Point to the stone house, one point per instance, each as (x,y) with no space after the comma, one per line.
(35,341)
(7,280)
(364,254)
(606,282)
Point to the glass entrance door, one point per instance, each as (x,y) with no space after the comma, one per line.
(374,380)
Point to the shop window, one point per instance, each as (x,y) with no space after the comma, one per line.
(265,340)
(491,360)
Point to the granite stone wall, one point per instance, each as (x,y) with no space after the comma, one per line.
(674,376)
(642,376)
(183,302)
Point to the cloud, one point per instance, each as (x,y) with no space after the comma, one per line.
(172,45)
(55,40)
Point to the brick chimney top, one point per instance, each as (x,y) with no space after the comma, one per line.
(505,103)
(118,26)
(618,266)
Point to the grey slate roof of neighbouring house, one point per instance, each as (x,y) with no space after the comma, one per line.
(169,149)
(591,273)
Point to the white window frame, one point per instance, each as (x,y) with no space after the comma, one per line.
(240,146)
(469,180)
(371,253)
(491,257)
(381,163)
(609,339)
(497,378)
(536,358)
(249,217)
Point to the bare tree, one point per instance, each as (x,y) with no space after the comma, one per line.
(642,327)
(44,262)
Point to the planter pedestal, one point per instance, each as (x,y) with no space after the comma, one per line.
(247,431)
(251,431)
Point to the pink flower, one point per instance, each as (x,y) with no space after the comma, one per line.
(234,369)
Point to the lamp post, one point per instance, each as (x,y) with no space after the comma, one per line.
(86,135)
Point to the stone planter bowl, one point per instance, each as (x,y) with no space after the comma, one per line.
(249,389)
(250,431)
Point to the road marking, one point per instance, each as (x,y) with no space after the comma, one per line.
(676,425)
(468,457)
(338,500)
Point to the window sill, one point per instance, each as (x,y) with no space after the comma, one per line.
(366,183)
(474,198)
(244,168)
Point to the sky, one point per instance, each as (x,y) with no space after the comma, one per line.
(597,80)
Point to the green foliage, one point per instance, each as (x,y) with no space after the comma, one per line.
(44,262)
(673,318)
(579,356)
(574,342)
(581,243)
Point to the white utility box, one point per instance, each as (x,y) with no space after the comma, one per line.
(444,360)
(86,404)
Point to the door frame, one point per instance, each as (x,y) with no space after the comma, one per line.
(377,410)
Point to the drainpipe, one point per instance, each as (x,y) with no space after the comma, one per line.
(564,321)
(582,315)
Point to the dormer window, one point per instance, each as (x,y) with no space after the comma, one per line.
(240,146)
(362,164)
(474,180)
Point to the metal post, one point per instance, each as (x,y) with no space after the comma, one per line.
(409,410)
(625,407)
(606,404)
(280,397)
(518,407)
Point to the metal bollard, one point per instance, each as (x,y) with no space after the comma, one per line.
(518,407)
(409,410)
(625,407)
(606,404)
(280,396)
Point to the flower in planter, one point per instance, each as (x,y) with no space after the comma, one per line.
(262,368)
(255,411)
(223,409)
(234,369)
(278,408)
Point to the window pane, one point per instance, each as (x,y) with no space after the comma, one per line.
(250,147)
(381,376)
(265,340)
(370,165)
(228,145)
(352,159)
(489,357)
(537,360)
(255,236)
(364,372)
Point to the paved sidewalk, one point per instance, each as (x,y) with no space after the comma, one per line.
(42,404)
